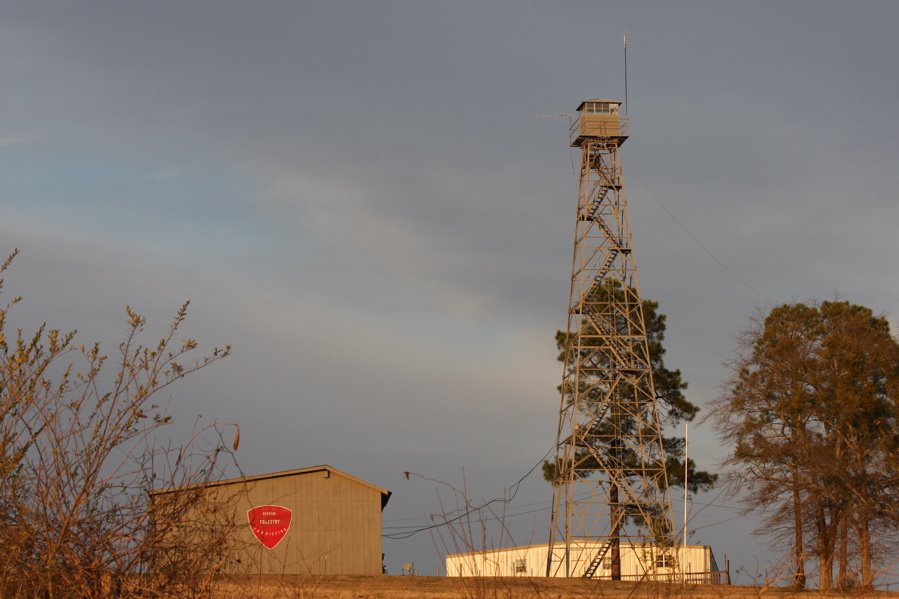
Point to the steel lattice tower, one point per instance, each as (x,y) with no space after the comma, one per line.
(610,481)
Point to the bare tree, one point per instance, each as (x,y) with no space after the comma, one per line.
(811,408)
(81,445)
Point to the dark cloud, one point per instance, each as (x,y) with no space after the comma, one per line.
(364,200)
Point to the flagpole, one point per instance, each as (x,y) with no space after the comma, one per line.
(686,474)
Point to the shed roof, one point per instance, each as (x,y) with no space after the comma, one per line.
(385,493)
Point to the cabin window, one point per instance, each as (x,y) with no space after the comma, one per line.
(520,566)
(664,560)
(601,107)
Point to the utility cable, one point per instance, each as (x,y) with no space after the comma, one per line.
(447,521)
(403,532)
(695,240)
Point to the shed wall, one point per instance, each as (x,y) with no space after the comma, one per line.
(335,525)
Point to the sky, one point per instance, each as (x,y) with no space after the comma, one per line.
(373,204)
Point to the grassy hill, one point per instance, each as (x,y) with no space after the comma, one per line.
(436,587)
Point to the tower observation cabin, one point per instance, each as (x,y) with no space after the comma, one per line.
(598,118)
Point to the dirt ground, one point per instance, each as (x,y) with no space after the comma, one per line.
(438,587)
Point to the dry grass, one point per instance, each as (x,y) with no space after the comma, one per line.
(438,587)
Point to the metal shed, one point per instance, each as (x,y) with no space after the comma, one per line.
(316,520)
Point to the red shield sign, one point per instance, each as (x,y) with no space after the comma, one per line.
(269,523)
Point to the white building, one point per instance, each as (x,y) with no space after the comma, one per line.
(693,564)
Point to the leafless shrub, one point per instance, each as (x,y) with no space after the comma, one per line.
(462,527)
(80,449)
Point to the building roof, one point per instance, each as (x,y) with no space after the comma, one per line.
(385,493)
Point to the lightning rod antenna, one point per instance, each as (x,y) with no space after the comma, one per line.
(625,74)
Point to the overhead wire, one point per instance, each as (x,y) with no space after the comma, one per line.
(545,506)
(447,521)
(696,241)
(404,532)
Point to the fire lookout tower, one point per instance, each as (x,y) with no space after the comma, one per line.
(610,487)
